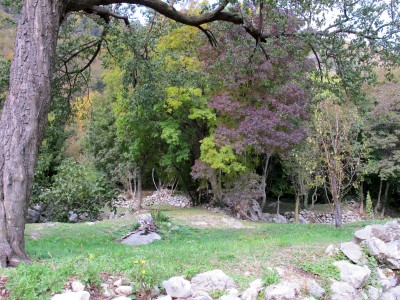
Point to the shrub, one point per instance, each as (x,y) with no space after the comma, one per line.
(368,206)
(78,188)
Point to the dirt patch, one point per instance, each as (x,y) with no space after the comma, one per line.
(210,220)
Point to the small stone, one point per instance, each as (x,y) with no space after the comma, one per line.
(177,287)
(118,282)
(154,291)
(124,290)
(76,286)
(233,292)
(229,297)
(247,274)
(330,250)
(165,297)
(72,296)
(121,298)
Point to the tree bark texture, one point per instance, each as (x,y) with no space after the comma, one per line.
(23,117)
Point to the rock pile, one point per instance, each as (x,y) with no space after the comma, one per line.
(164,196)
(145,234)
(307,217)
(374,260)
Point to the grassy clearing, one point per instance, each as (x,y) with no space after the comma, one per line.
(86,251)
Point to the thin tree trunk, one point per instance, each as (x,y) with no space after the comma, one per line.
(139,188)
(23,118)
(264,181)
(385,197)
(305,201)
(362,198)
(378,202)
(314,198)
(296,209)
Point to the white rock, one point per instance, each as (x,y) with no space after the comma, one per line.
(108,294)
(229,297)
(353,252)
(250,294)
(76,286)
(200,296)
(376,247)
(233,292)
(354,275)
(154,291)
(343,291)
(315,289)
(83,295)
(167,297)
(121,298)
(211,281)
(282,291)
(363,234)
(118,282)
(141,238)
(386,278)
(279,219)
(393,293)
(280,271)
(393,254)
(124,290)
(257,284)
(178,287)
(330,250)
(373,293)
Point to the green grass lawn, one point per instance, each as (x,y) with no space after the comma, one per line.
(88,252)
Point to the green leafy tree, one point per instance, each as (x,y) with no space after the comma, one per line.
(335,135)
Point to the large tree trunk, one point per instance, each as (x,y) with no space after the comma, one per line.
(23,117)
(338,214)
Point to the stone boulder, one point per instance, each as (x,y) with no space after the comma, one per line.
(354,275)
(314,289)
(282,291)
(279,219)
(33,216)
(72,296)
(252,292)
(353,252)
(211,281)
(178,287)
(141,238)
(344,291)
(376,247)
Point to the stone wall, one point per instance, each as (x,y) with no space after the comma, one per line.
(306,216)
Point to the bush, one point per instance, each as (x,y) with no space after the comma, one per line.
(78,188)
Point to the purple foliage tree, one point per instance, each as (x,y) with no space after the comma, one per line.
(260,95)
